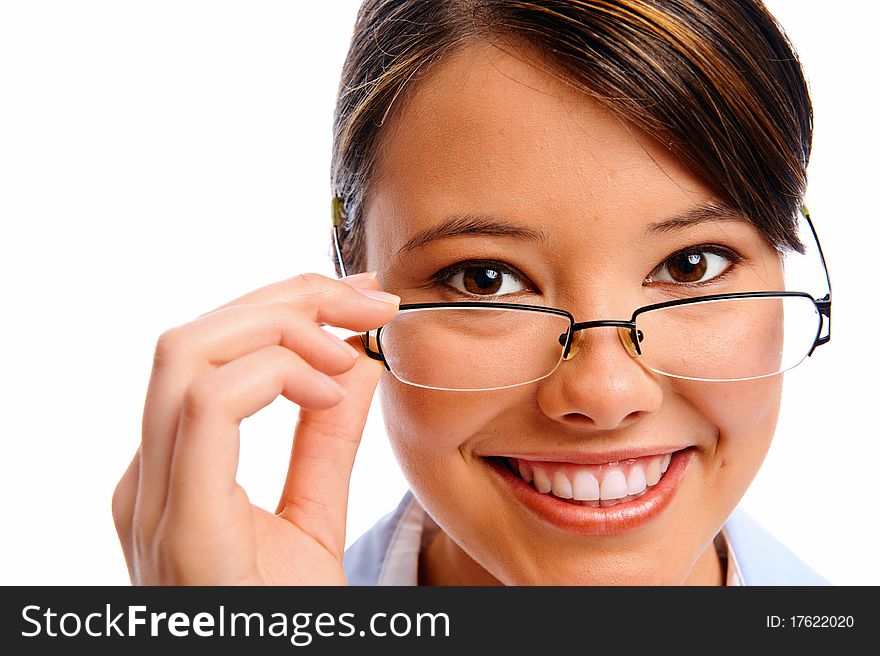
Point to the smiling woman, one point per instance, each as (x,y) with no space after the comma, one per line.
(584,213)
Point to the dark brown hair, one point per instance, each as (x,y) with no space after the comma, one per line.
(717,81)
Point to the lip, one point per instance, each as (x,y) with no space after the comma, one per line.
(586,520)
(594,458)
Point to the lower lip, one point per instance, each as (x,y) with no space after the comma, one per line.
(586,520)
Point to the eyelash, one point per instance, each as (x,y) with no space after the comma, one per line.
(728,254)
(442,277)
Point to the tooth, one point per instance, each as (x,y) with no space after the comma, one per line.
(525,472)
(653,473)
(561,486)
(585,487)
(613,485)
(664,464)
(605,503)
(541,481)
(636,482)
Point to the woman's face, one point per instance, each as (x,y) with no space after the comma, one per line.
(487,135)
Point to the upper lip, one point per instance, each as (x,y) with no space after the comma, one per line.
(591,457)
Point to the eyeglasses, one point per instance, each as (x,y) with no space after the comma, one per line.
(477,346)
(482,346)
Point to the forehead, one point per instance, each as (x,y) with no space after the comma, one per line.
(488,131)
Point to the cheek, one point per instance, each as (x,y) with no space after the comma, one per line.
(744,415)
(430,430)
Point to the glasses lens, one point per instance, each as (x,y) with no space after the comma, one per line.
(472,348)
(733,339)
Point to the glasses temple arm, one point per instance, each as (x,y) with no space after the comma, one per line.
(806,214)
(335,212)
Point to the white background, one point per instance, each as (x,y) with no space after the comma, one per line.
(158,159)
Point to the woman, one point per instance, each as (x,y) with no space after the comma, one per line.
(552,190)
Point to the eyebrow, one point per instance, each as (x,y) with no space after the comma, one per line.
(713,210)
(491,226)
(472,224)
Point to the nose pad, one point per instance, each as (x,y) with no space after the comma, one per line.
(626,338)
(625,335)
(370,341)
(576,342)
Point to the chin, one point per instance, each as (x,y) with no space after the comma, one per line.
(606,569)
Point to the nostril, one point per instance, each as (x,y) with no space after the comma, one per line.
(577,418)
(603,421)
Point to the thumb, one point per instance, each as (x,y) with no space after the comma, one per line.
(325,442)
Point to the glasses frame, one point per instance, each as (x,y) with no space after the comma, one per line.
(823,308)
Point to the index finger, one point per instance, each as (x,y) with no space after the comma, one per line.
(352,302)
(292,288)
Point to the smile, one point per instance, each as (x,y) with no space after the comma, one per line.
(593,499)
(593,485)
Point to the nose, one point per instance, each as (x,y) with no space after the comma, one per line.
(601,384)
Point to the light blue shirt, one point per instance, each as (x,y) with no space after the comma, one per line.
(388,553)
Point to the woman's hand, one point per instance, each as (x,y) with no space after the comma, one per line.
(180,515)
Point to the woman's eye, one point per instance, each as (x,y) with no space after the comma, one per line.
(692,266)
(483,280)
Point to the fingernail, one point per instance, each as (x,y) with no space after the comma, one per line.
(380,296)
(366,275)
